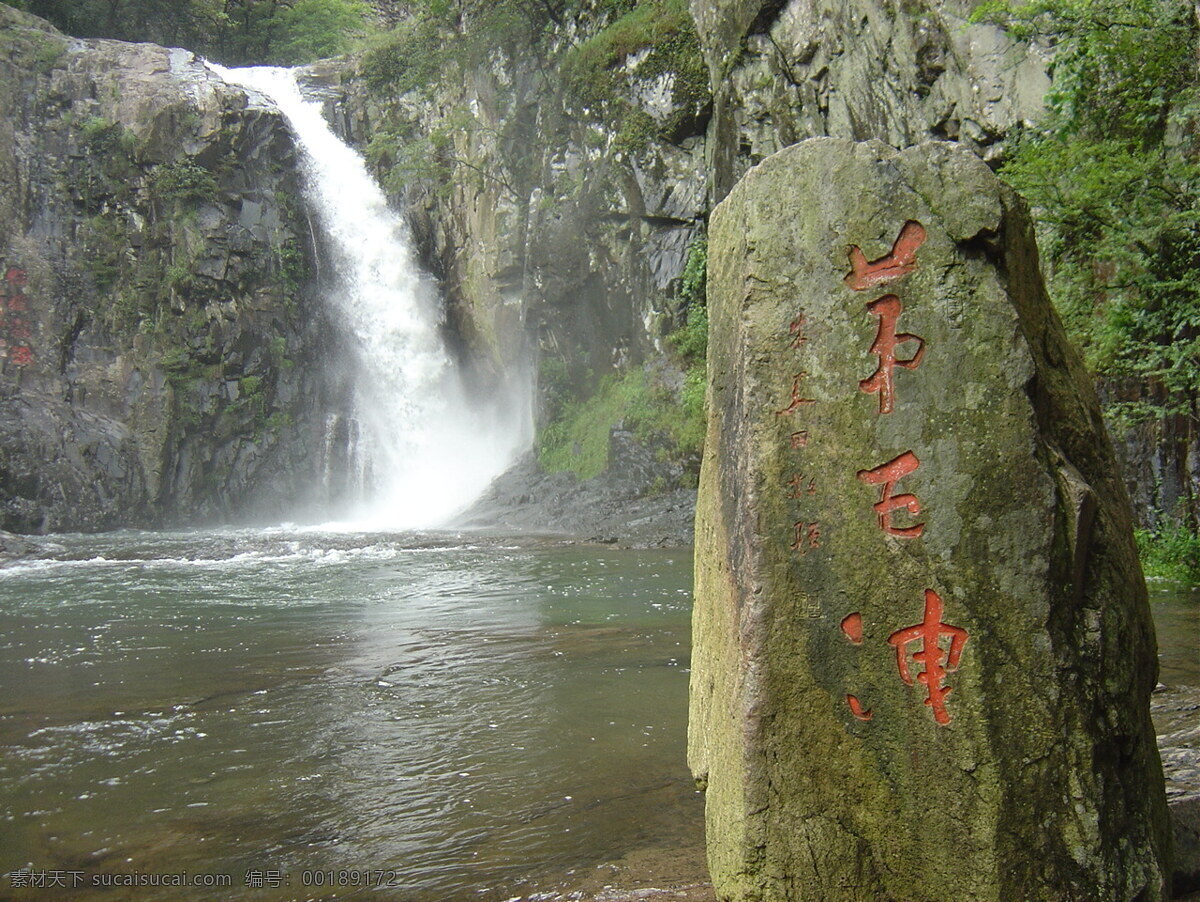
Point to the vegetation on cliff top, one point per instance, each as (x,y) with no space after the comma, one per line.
(236,32)
(614,44)
(653,40)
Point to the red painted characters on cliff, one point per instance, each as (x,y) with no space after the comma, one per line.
(16,331)
(852,629)
(936,661)
(796,330)
(899,262)
(806,537)
(797,400)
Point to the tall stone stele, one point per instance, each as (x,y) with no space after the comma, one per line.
(923,651)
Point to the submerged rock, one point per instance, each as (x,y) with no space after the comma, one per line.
(923,652)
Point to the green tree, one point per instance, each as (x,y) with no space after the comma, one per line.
(284,32)
(290,32)
(1113,174)
(318,29)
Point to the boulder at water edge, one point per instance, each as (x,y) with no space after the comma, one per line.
(923,652)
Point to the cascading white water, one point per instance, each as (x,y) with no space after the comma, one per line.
(424,449)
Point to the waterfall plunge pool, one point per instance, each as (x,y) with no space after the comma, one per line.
(476,719)
(460,717)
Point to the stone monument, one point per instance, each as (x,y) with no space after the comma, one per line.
(922,650)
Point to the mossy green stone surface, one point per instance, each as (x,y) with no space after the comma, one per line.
(1043,782)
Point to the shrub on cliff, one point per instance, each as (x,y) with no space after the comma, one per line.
(653,39)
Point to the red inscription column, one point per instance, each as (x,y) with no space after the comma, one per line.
(17,332)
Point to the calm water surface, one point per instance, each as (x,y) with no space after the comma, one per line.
(475,718)
(471,715)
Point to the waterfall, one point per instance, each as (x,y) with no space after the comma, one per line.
(420,448)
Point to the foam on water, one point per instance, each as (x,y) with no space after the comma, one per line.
(420,448)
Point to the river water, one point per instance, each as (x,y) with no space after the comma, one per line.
(472,717)
(465,717)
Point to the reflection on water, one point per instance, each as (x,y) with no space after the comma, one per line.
(306,711)
(468,716)
(1175,707)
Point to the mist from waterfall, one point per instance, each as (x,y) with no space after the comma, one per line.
(418,447)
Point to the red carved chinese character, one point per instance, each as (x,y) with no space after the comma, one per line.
(808,536)
(800,439)
(900,262)
(16,277)
(796,330)
(21,355)
(17,303)
(796,399)
(856,708)
(853,628)
(936,661)
(888,309)
(19,329)
(797,487)
(886,476)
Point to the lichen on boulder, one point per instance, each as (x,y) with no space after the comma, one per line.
(923,652)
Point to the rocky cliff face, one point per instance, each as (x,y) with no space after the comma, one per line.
(558,220)
(558,202)
(785,70)
(160,344)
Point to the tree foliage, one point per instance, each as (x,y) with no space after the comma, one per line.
(1113,173)
(436,34)
(283,32)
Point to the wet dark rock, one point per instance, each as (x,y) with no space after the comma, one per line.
(14,546)
(153,220)
(1185,815)
(620,506)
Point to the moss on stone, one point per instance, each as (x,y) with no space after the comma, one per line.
(1020,792)
(655,39)
(182,183)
